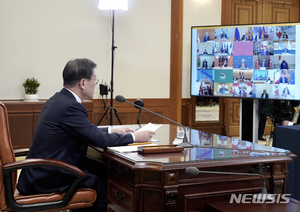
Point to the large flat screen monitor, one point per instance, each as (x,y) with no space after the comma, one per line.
(246,61)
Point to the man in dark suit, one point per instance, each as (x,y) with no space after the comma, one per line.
(245,37)
(285,92)
(257,37)
(242,92)
(285,36)
(264,64)
(224,35)
(243,65)
(284,65)
(283,79)
(206,37)
(63,132)
(265,51)
(265,95)
(204,64)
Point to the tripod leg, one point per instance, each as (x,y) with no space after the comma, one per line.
(103,115)
(117,116)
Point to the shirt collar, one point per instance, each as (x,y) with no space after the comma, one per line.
(76,97)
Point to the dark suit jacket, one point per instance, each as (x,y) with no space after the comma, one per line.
(283,80)
(245,65)
(244,38)
(284,66)
(63,132)
(266,97)
(224,35)
(206,38)
(263,52)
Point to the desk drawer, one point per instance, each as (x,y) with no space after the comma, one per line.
(120,193)
(121,171)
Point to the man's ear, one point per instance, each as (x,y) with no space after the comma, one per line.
(81,83)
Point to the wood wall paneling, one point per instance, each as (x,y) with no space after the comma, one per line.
(281,11)
(253,12)
(232,116)
(128,113)
(244,13)
(23,117)
(216,127)
(176,60)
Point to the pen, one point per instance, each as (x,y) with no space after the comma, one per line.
(132,144)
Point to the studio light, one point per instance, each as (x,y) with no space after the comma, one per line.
(113,4)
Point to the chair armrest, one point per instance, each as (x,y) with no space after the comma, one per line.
(21,152)
(9,167)
(9,191)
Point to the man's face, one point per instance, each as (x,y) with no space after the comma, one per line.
(89,86)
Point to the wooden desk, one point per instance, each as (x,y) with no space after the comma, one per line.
(287,137)
(157,182)
(23,116)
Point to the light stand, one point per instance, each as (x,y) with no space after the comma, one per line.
(112,108)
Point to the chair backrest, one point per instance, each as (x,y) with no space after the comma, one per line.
(6,152)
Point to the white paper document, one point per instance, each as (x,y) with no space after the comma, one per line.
(127,148)
(150,126)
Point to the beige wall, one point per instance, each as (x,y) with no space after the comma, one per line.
(196,13)
(38,37)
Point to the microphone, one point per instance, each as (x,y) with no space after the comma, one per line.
(184,142)
(140,103)
(193,171)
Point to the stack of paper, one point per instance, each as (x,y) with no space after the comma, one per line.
(127,148)
(133,148)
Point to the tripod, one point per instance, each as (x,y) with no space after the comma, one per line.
(111,108)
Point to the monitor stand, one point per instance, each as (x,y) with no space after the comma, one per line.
(249,119)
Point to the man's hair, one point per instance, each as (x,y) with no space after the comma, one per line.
(78,69)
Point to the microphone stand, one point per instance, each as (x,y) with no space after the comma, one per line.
(138,118)
(112,108)
(184,142)
(140,103)
(193,171)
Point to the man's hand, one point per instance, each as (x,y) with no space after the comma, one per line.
(121,130)
(287,123)
(143,136)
